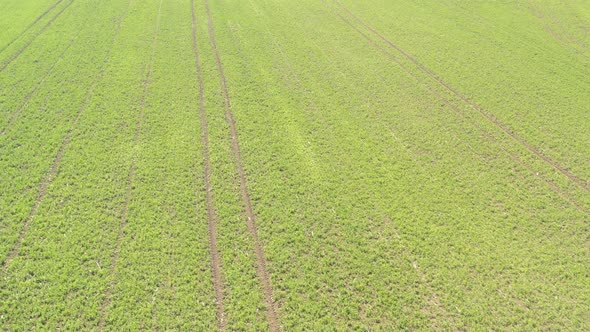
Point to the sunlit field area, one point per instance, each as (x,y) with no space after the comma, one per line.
(280,165)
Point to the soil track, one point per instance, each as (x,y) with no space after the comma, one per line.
(216,266)
(130,179)
(120,236)
(48,180)
(574,178)
(24,48)
(49,10)
(261,269)
(460,113)
(434,302)
(33,93)
(554,27)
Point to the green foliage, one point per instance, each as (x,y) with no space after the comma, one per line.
(383,199)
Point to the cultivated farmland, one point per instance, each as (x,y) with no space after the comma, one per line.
(313,165)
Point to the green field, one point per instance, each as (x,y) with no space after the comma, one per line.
(310,165)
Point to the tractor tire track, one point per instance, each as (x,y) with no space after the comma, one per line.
(49,10)
(548,182)
(52,172)
(505,129)
(261,269)
(554,28)
(434,302)
(24,48)
(484,22)
(33,93)
(103,311)
(216,265)
(461,114)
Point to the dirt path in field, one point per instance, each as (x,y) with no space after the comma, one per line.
(49,10)
(216,266)
(122,227)
(555,28)
(504,128)
(475,125)
(130,179)
(261,269)
(566,41)
(48,180)
(24,48)
(33,93)
(548,182)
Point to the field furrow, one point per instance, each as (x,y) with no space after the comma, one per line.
(311,165)
(450,151)
(244,300)
(582,183)
(6,62)
(68,129)
(130,178)
(216,265)
(166,235)
(49,10)
(524,111)
(251,218)
(60,179)
(33,93)
(474,122)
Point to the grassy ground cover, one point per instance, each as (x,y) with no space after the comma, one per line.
(35,136)
(166,236)
(432,142)
(409,166)
(504,58)
(18,17)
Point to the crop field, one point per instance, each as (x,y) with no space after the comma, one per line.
(280,165)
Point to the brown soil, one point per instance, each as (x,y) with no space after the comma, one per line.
(49,10)
(575,179)
(24,48)
(216,266)
(460,113)
(33,93)
(130,179)
(48,180)
(261,269)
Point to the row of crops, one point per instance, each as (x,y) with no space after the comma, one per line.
(280,165)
